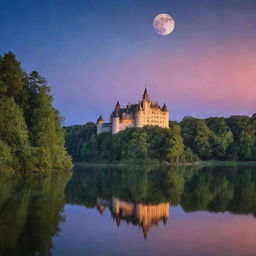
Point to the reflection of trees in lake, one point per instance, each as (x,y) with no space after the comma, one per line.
(30,212)
(215,189)
(134,184)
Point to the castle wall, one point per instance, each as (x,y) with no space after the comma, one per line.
(99,126)
(115,125)
(106,128)
(126,124)
(152,116)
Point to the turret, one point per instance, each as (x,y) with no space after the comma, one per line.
(138,116)
(145,95)
(115,122)
(99,123)
(146,102)
(118,106)
(166,113)
(165,108)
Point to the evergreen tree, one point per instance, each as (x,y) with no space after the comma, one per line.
(31,136)
(11,76)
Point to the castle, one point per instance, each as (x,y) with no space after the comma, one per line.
(135,115)
(145,216)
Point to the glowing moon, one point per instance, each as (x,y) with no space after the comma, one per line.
(163,24)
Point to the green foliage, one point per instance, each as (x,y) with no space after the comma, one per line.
(247,144)
(11,76)
(30,128)
(79,142)
(175,144)
(13,131)
(149,142)
(216,138)
(137,147)
(6,158)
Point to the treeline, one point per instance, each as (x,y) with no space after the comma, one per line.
(149,142)
(214,138)
(220,138)
(31,136)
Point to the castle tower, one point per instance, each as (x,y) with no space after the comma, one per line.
(146,101)
(118,106)
(115,122)
(138,116)
(166,113)
(99,123)
(146,95)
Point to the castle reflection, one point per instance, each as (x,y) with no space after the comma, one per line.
(145,216)
(142,195)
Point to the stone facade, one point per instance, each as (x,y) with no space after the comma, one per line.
(144,113)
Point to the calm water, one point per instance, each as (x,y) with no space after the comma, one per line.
(130,211)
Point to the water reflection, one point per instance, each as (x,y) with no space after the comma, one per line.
(142,215)
(35,209)
(142,196)
(30,212)
(214,189)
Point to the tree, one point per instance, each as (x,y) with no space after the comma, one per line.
(247,144)
(137,147)
(220,144)
(218,125)
(45,129)
(201,142)
(31,136)
(13,131)
(11,76)
(6,159)
(175,144)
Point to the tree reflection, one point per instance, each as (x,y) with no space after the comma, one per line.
(30,212)
(214,189)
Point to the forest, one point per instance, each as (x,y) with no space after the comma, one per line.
(192,139)
(31,133)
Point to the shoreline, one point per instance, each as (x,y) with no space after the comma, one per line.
(152,163)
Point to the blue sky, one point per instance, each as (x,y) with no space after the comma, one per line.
(93,53)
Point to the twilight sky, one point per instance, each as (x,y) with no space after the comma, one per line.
(95,52)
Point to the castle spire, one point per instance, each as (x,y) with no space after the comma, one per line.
(118,106)
(145,95)
(165,109)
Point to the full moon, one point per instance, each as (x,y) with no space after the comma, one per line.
(163,24)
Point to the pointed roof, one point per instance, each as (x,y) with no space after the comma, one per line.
(165,108)
(101,208)
(145,95)
(145,233)
(118,106)
(100,119)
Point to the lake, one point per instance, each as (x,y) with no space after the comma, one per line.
(130,211)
